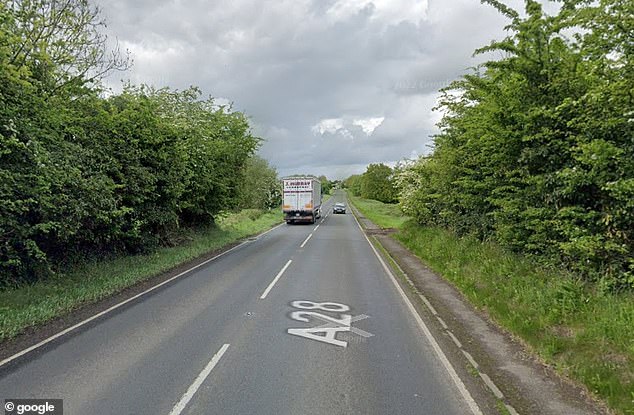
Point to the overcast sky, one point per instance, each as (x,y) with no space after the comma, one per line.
(330,85)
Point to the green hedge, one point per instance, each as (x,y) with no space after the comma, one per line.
(84,174)
(536,150)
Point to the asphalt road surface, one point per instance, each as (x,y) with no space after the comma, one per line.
(303,320)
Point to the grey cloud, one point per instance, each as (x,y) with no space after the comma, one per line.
(290,64)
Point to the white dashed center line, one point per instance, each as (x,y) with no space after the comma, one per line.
(277,277)
(306,240)
(180,406)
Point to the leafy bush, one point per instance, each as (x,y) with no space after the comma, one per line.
(376,183)
(260,188)
(83,175)
(536,149)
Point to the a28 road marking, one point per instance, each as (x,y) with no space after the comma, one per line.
(355,330)
(326,333)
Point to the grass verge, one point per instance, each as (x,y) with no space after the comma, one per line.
(30,305)
(382,214)
(586,334)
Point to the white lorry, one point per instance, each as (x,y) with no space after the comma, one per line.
(302,199)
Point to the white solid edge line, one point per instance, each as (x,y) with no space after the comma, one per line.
(187,396)
(277,277)
(306,240)
(441,355)
(114,307)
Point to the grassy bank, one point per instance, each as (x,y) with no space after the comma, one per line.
(31,305)
(382,214)
(584,333)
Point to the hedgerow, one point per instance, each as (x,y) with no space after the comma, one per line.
(83,174)
(536,149)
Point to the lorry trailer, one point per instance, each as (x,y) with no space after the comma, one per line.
(302,199)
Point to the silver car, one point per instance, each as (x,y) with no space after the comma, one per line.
(339,208)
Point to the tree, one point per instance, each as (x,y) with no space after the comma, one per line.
(353,183)
(60,42)
(377,183)
(261,188)
(326,185)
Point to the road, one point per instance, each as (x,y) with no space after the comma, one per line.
(231,338)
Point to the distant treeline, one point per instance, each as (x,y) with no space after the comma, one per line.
(82,174)
(536,149)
